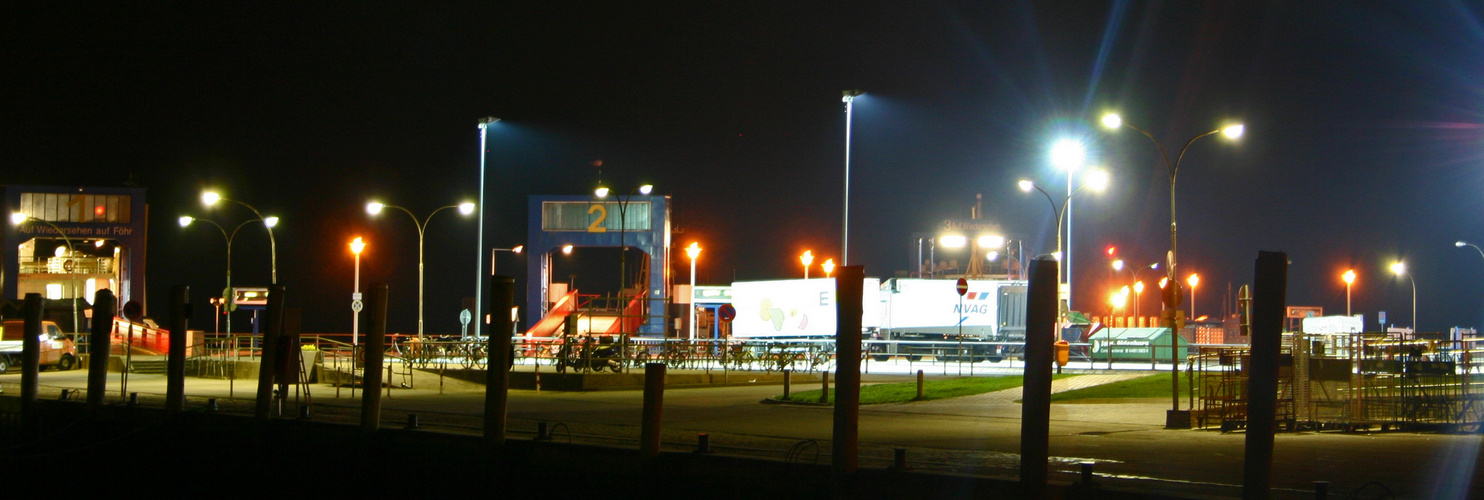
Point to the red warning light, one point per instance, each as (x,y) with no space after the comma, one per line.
(1112,250)
(99,211)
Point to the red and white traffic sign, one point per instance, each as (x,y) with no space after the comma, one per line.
(963,287)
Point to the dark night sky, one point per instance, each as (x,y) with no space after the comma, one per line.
(1363,133)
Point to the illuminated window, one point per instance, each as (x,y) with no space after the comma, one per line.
(54,291)
(76,207)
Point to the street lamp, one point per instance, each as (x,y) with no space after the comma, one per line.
(210,198)
(1067,155)
(1194,279)
(849,100)
(186,221)
(493,251)
(807,258)
(1462,244)
(484,125)
(19,218)
(356,246)
(693,251)
(1098,180)
(1349,278)
(623,220)
(375,208)
(1113,121)
(1138,295)
(1120,265)
(829,267)
(1400,268)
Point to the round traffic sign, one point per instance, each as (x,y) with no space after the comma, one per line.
(133,311)
(726,312)
(963,287)
(68,265)
(355,305)
(465,317)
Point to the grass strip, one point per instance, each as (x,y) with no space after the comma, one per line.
(1152,386)
(903,392)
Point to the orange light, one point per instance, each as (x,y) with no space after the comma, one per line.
(356,245)
(1194,280)
(1349,276)
(829,267)
(1112,250)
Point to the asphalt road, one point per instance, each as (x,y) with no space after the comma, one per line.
(975,435)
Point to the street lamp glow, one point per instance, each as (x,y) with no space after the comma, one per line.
(518,249)
(566,249)
(1234,131)
(1068,154)
(1193,280)
(1112,120)
(356,245)
(693,251)
(646,189)
(1027,185)
(1097,179)
(466,208)
(1138,287)
(186,220)
(18,217)
(601,192)
(807,258)
(1349,276)
(1118,300)
(210,198)
(374,208)
(829,267)
(1118,265)
(1460,244)
(1399,268)
(953,241)
(270,221)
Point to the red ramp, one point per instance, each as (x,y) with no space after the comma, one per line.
(552,323)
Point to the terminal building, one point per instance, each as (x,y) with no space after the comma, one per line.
(66,243)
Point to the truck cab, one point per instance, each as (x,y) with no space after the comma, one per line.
(56,349)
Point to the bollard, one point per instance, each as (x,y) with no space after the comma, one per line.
(133,399)
(1035,408)
(412,421)
(31,312)
(1269,295)
(786,382)
(211,406)
(899,459)
(844,445)
(66,395)
(497,372)
(180,314)
(919,384)
(375,347)
(1086,473)
(824,392)
(703,443)
(99,348)
(654,402)
(1321,490)
(542,434)
(303,412)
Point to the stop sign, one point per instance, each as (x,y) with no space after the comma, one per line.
(963,287)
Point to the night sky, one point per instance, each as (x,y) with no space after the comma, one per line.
(1362,146)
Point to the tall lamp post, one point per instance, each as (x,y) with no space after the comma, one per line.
(494,251)
(623,226)
(1400,268)
(484,125)
(692,251)
(1193,280)
(375,208)
(1098,180)
(849,100)
(210,198)
(1349,278)
(21,218)
(1067,155)
(807,258)
(185,221)
(356,246)
(1462,244)
(1113,121)
(1120,265)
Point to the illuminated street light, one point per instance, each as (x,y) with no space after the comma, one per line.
(356,246)
(1462,244)
(566,249)
(693,251)
(829,267)
(954,241)
(849,100)
(623,254)
(1138,296)
(375,208)
(1234,131)
(494,251)
(484,126)
(210,198)
(186,221)
(1349,278)
(1097,179)
(1193,280)
(1400,268)
(807,258)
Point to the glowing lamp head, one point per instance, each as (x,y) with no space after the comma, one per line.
(567,250)
(646,189)
(1138,287)
(991,241)
(829,266)
(953,241)
(1163,282)
(1112,120)
(1068,154)
(1026,185)
(374,208)
(186,220)
(807,258)
(356,245)
(1461,244)
(1056,256)
(18,217)
(1118,300)
(1193,280)
(693,251)
(518,249)
(270,221)
(1349,276)
(1234,131)
(1118,265)
(992,256)
(601,192)
(1097,179)
(210,198)
(1399,268)
(466,208)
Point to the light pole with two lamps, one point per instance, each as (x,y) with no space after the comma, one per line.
(1119,265)
(375,208)
(1175,418)
(210,198)
(226,299)
(1098,180)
